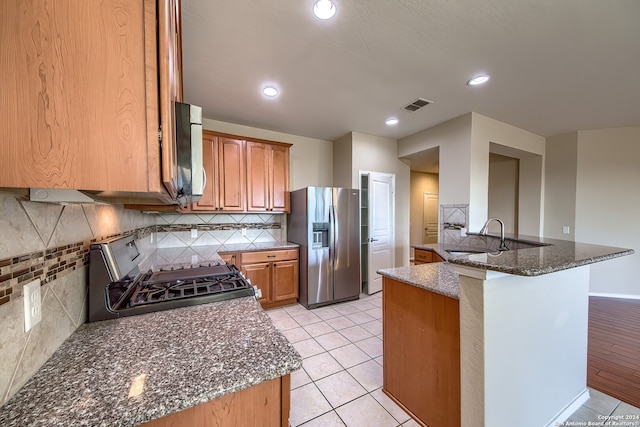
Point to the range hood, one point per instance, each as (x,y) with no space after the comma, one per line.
(63,197)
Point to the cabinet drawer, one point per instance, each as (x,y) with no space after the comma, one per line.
(423,256)
(268,256)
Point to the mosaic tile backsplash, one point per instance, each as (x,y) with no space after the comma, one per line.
(51,242)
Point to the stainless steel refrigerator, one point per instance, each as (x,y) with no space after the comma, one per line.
(324,221)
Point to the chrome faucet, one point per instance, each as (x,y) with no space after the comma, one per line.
(483,231)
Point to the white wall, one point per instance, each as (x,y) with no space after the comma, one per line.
(608,204)
(561,165)
(311,159)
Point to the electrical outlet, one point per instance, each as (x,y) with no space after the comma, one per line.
(565,229)
(244,231)
(194,233)
(32,304)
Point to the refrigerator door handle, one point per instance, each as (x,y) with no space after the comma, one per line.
(332,237)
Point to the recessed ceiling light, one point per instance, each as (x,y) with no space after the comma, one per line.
(324,9)
(392,121)
(479,80)
(270,91)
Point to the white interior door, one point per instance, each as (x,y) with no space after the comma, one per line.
(381,231)
(430,218)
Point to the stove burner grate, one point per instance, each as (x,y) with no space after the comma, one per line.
(153,291)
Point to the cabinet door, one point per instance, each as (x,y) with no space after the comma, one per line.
(231,173)
(77,80)
(279,178)
(170,75)
(209,199)
(229,257)
(257,176)
(260,276)
(285,280)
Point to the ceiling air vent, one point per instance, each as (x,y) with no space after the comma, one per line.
(417,104)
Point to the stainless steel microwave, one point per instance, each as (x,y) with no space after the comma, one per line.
(191,177)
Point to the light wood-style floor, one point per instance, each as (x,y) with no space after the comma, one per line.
(613,361)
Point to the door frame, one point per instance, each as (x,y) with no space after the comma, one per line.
(392,237)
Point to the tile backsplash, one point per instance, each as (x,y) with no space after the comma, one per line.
(175,230)
(49,242)
(453,218)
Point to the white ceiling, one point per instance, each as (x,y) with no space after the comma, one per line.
(555,66)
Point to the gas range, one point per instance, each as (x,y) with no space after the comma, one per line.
(117,288)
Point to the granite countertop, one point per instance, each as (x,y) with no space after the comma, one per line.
(194,256)
(437,277)
(542,256)
(182,358)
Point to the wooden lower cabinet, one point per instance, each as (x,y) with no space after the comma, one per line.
(275,273)
(422,256)
(421,352)
(229,257)
(260,275)
(263,405)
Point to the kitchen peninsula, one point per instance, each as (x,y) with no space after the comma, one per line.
(492,339)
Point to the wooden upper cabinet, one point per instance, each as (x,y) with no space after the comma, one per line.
(267,177)
(224,164)
(81,106)
(231,174)
(170,75)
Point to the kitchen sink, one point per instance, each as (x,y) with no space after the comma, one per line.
(460,253)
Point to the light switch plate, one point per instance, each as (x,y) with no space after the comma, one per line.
(194,233)
(243,231)
(32,304)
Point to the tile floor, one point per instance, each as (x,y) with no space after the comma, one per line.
(340,383)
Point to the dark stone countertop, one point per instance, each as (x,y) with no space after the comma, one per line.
(436,277)
(183,357)
(534,256)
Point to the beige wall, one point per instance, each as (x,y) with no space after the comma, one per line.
(490,135)
(311,159)
(358,152)
(378,154)
(465,143)
(453,137)
(420,183)
(503,192)
(560,172)
(342,162)
(608,204)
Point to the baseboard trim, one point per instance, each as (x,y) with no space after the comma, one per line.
(570,409)
(619,296)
